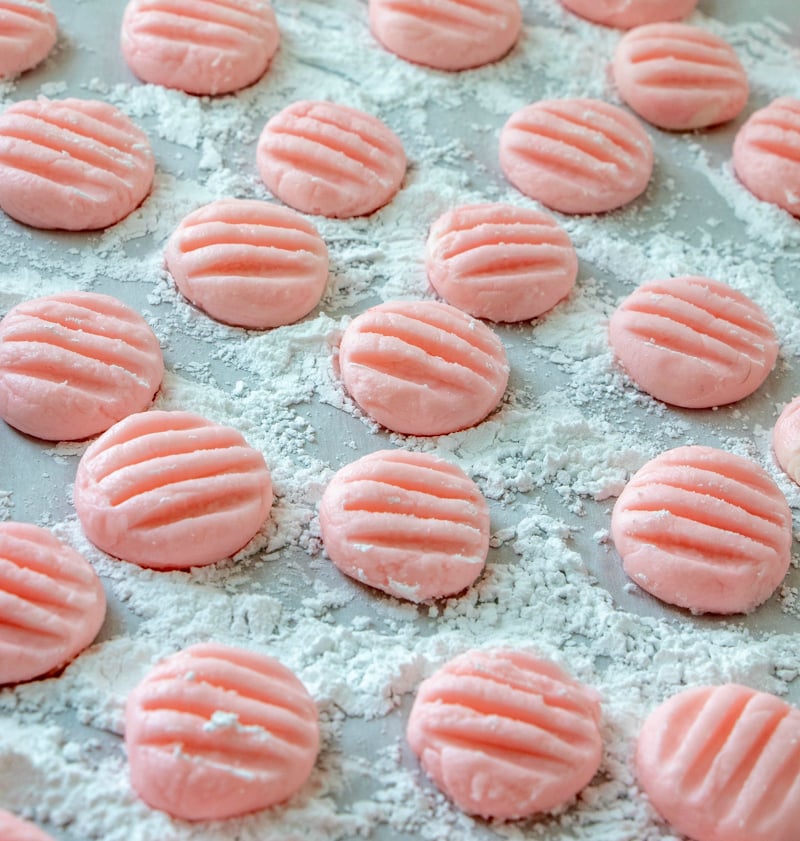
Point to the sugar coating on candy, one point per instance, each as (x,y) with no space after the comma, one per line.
(680,77)
(500,262)
(422,368)
(171,490)
(786,439)
(249,263)
(13,828)
(766,154)
(506,734)
(199,46)
(73,364)
(52,603)
(693,342)
(71,164)
(446,34)
(28,32)
(410,524)
(722,763)
(704,529)
(624,14)
(213,732)
(576,155)
(330,160)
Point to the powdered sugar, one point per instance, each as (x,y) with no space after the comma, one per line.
(551,459)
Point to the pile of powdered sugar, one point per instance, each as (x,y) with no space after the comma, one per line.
(551,460)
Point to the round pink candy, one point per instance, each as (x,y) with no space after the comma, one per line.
(27,34)
(680,77)
(73,364)
(500,262)
(576,155)
(199,46)
(693,342)
(330,160)
(766,154)
(171,490)
(213,732)
(71,164)
(52,603)
(722,763)
(249,263)
(624,14)
(422,368)
(410,524)
(16,829)
(506,734)
(705,530)
(786,439)
(446,34)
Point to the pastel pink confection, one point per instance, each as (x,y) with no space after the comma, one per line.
(786,440)
(214,732)
(249,263)
(71,164)
(28,31)
(766,154)
(199,46)
(500,262)
(705,530)
(16,829)
(330,160)
(693,342)
(52,603)
(422,368)
(680,77)
(506,734)
(446,34)
(171,490)
(576,155)
(73,364)
(722,763)
(410,524)
(625,14)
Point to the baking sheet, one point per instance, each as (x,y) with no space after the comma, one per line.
(691,201)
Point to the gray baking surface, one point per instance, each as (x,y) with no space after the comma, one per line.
(37,480)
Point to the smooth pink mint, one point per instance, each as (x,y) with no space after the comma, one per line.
(73,364)
(705,530)
(786,440)
(576,155)
(721,763)
(171,490)
(13,828)
(422,368)
(28,31)
(506,734)
(500,262)
(410,524)
(624,14)
(330,160)
(214,732)
(766,154)
(446,34)
(199,46)
(680,77)
(693,342)
(52,603)
(249,263)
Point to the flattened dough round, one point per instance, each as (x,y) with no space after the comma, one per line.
(446,34)
(330,160)
(249,263)
(72,164)
(625,14)
(28,31)
(199,46)
(786,440)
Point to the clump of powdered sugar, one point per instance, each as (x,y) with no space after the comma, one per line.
(571,430)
